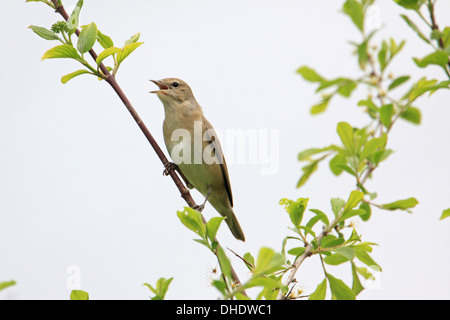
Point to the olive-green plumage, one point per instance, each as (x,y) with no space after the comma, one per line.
(205,168)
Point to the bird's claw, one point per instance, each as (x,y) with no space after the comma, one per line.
(199,208)
(169,167)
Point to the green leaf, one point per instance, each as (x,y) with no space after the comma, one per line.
(267,259)
(150,287)
(321,215)
(445,214)
(413,26)
(365,258)
(334,82)
(347,252)
(412,114)
(398,81)
(363,54)
(126,51)
(335,259)
(321,106)
(297,251)
(106,53)
(72,23)
(336,205)
(72,75)
(221,286)
(104,40)
(353,200)
(6,284)
(360,138)
(305,155)
(133,39)
(308,170)
(339,289)
(337,163)
(330,241)
(309,74)
(394,48)
(345,132)
(381,155)
(354,212)
(320,292)
(364,246)
(79,295)
(357,287)
(386,113)
(446,37)
(347,88)
(192,220)
(61,51)
(366,207)
(371,146)
(87,38)
(410,4)
(162,285)
(295,209)
(249,258)
(439,58)
(401,204)
(307,230)
(371,106)
(264,282)
(365,273)
(423,86)
(224,262)
(355,11)
(382,55)
(44,33)
(212,226)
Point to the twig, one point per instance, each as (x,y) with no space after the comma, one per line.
(290,279)
(110,78)
(434,27)
(286,297)
(245,261)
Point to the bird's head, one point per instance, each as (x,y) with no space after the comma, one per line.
(173,90)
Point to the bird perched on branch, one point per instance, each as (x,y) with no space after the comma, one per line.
(195,149)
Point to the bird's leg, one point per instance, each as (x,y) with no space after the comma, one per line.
(200,208)
(172,166)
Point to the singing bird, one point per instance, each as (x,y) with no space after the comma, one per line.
(204,168)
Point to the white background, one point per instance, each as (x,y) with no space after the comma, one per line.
(82,195)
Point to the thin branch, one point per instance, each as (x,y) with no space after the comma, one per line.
(245,261)
(185,194)
(308,251)
(434,27)
(359,182)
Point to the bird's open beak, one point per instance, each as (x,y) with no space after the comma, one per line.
(162,87)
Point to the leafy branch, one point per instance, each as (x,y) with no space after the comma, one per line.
(362,150)
(438,39)
(87,37)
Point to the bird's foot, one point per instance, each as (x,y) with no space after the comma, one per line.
(199,208)
(169,167)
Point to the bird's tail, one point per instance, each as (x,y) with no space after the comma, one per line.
(233,224)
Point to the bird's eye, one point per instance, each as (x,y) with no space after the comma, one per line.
(175,84)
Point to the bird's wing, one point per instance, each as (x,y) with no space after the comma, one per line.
(210,134)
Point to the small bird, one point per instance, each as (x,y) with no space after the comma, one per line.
(208,172)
